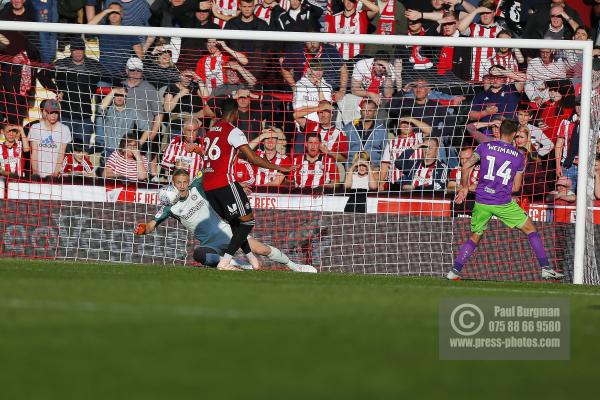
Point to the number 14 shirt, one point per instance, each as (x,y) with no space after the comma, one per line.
(500,163)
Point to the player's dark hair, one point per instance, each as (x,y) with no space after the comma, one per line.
(505,32)
(313,135)
(508,128)
(179,172)
(228,107)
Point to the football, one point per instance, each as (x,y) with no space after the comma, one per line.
(168,195)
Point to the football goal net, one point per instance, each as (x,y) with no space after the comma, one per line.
(375,127)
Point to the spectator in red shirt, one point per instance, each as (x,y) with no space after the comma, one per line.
(315,169)
(273,149)
(334,140)
(184,150)
(210,68)
(456,173)
(77,162)
(12,149)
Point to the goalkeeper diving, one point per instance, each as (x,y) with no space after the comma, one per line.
(188,204)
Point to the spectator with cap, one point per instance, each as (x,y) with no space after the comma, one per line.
(501,98)
(48,140)
(115,50)
(77,77)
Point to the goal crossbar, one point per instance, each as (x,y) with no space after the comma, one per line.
(586,89)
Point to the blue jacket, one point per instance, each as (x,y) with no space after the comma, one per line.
(374,146)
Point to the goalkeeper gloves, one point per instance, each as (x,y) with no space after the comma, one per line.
(140,229)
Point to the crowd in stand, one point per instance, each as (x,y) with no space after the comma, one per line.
(352,118)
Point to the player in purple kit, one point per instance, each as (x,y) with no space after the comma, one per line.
(501,174)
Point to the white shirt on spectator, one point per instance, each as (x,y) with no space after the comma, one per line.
(363,72)
(48,142)
(538,72)
(306,94)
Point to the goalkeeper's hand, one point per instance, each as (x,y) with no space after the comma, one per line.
(140,229)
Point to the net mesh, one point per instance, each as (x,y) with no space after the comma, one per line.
(377,140)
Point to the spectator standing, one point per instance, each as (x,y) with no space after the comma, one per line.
(488,28)
(49,139)
(360,179)
(211,67)
(302,16)
(115,50)
(203,19)
(77,78)
(454,180)
(567,147)
(351,21)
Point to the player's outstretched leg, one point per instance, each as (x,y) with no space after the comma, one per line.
(210,258)
(274,254)
(540,252)
(464,253)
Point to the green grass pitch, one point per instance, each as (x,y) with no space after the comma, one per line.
(103,331)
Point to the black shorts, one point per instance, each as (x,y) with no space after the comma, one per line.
(230,202)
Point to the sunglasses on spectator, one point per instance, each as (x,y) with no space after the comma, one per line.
(119,95)
(135,70)
(243,97)
(15,130)
(206,10)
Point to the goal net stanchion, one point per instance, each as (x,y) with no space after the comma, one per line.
(391,229)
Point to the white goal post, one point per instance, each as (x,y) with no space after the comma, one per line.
(586,47)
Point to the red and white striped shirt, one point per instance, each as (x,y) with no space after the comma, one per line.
(220,154)
(395,147)
(263,12)
(335,139)
(244,172)
(565,131)
(176,152)
(124,167)
(264,175)
(315,174)
(355,24)
(210,70)
(12,158)
(456,175)
(424,175)
(225,7)
(507,61)
(481,54)
(71,165)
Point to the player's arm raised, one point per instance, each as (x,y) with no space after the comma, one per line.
(254,159)
(461,193)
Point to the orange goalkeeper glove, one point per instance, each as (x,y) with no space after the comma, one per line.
(140,229)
